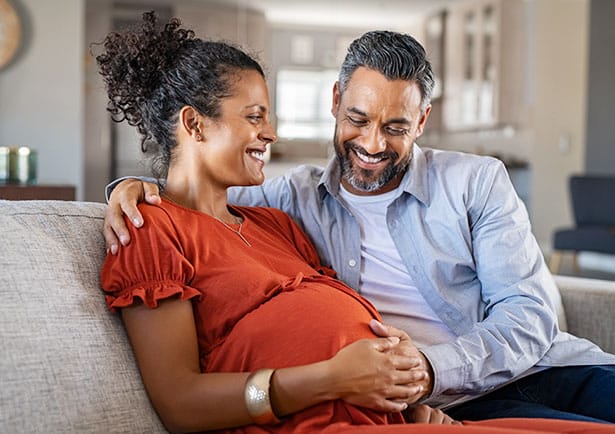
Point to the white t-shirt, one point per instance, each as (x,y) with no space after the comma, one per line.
(384,278)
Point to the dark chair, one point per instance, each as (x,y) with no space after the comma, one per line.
(593,204)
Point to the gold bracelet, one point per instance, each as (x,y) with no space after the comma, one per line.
(257,397)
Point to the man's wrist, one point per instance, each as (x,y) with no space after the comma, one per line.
(111,186)
(430,377)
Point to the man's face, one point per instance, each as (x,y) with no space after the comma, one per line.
(376,123)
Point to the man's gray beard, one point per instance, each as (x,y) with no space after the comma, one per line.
(390,172)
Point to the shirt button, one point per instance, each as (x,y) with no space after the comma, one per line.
(352,262)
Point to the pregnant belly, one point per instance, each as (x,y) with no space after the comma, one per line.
(305,324)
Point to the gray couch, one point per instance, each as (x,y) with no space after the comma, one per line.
(65,363)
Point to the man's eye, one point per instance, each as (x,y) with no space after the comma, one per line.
(255,118)
(396,131)
(357,122)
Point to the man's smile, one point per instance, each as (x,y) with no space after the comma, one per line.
(366,160)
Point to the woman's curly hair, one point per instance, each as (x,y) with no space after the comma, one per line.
(152,72)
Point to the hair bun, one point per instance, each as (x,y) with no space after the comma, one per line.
(135,62)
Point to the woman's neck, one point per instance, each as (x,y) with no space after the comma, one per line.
(195,193)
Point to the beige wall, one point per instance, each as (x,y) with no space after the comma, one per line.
(561,29)
(97,137)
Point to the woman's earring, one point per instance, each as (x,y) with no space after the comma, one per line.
(198,137)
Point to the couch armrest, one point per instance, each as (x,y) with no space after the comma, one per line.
(589,305)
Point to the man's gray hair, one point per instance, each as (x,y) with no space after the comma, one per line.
(395,55)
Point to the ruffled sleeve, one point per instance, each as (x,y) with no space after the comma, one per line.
(152,267)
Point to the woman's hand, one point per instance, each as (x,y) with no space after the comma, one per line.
(368,373)
(426,414)
(123,200)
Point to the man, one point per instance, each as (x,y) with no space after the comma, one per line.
(438,241)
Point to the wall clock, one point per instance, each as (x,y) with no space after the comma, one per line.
(10,33)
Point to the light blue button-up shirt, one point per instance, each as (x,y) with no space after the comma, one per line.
(465,239)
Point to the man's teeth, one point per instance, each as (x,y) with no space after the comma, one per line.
(368,159)
(258,155)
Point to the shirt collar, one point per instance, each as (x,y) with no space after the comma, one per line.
(414,182)
(330,180)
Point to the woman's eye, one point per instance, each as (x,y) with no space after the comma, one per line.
(255,118)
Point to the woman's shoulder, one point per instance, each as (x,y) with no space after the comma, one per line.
(161,212)
(166,217)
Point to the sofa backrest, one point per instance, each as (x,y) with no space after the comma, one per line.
(65,362)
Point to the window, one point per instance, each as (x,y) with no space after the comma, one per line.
(303,104)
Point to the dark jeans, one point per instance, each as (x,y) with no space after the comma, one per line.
(584,393)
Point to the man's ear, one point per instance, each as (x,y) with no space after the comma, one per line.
(423,121)
(336,99)
(190,122)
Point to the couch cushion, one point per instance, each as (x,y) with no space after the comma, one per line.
(589,305)
(65,361)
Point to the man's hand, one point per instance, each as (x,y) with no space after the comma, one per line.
(423,373)
(124,200)
(367,373)
(426,414)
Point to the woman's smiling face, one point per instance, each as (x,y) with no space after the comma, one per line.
(235,143)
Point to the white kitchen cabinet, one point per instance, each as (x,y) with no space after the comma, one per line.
(484,68)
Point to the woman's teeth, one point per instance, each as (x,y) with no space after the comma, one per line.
(257,154)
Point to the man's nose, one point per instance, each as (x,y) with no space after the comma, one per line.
(373,141)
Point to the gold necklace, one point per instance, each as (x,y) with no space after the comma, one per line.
(238,231)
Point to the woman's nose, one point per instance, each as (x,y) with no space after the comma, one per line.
(268,134)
